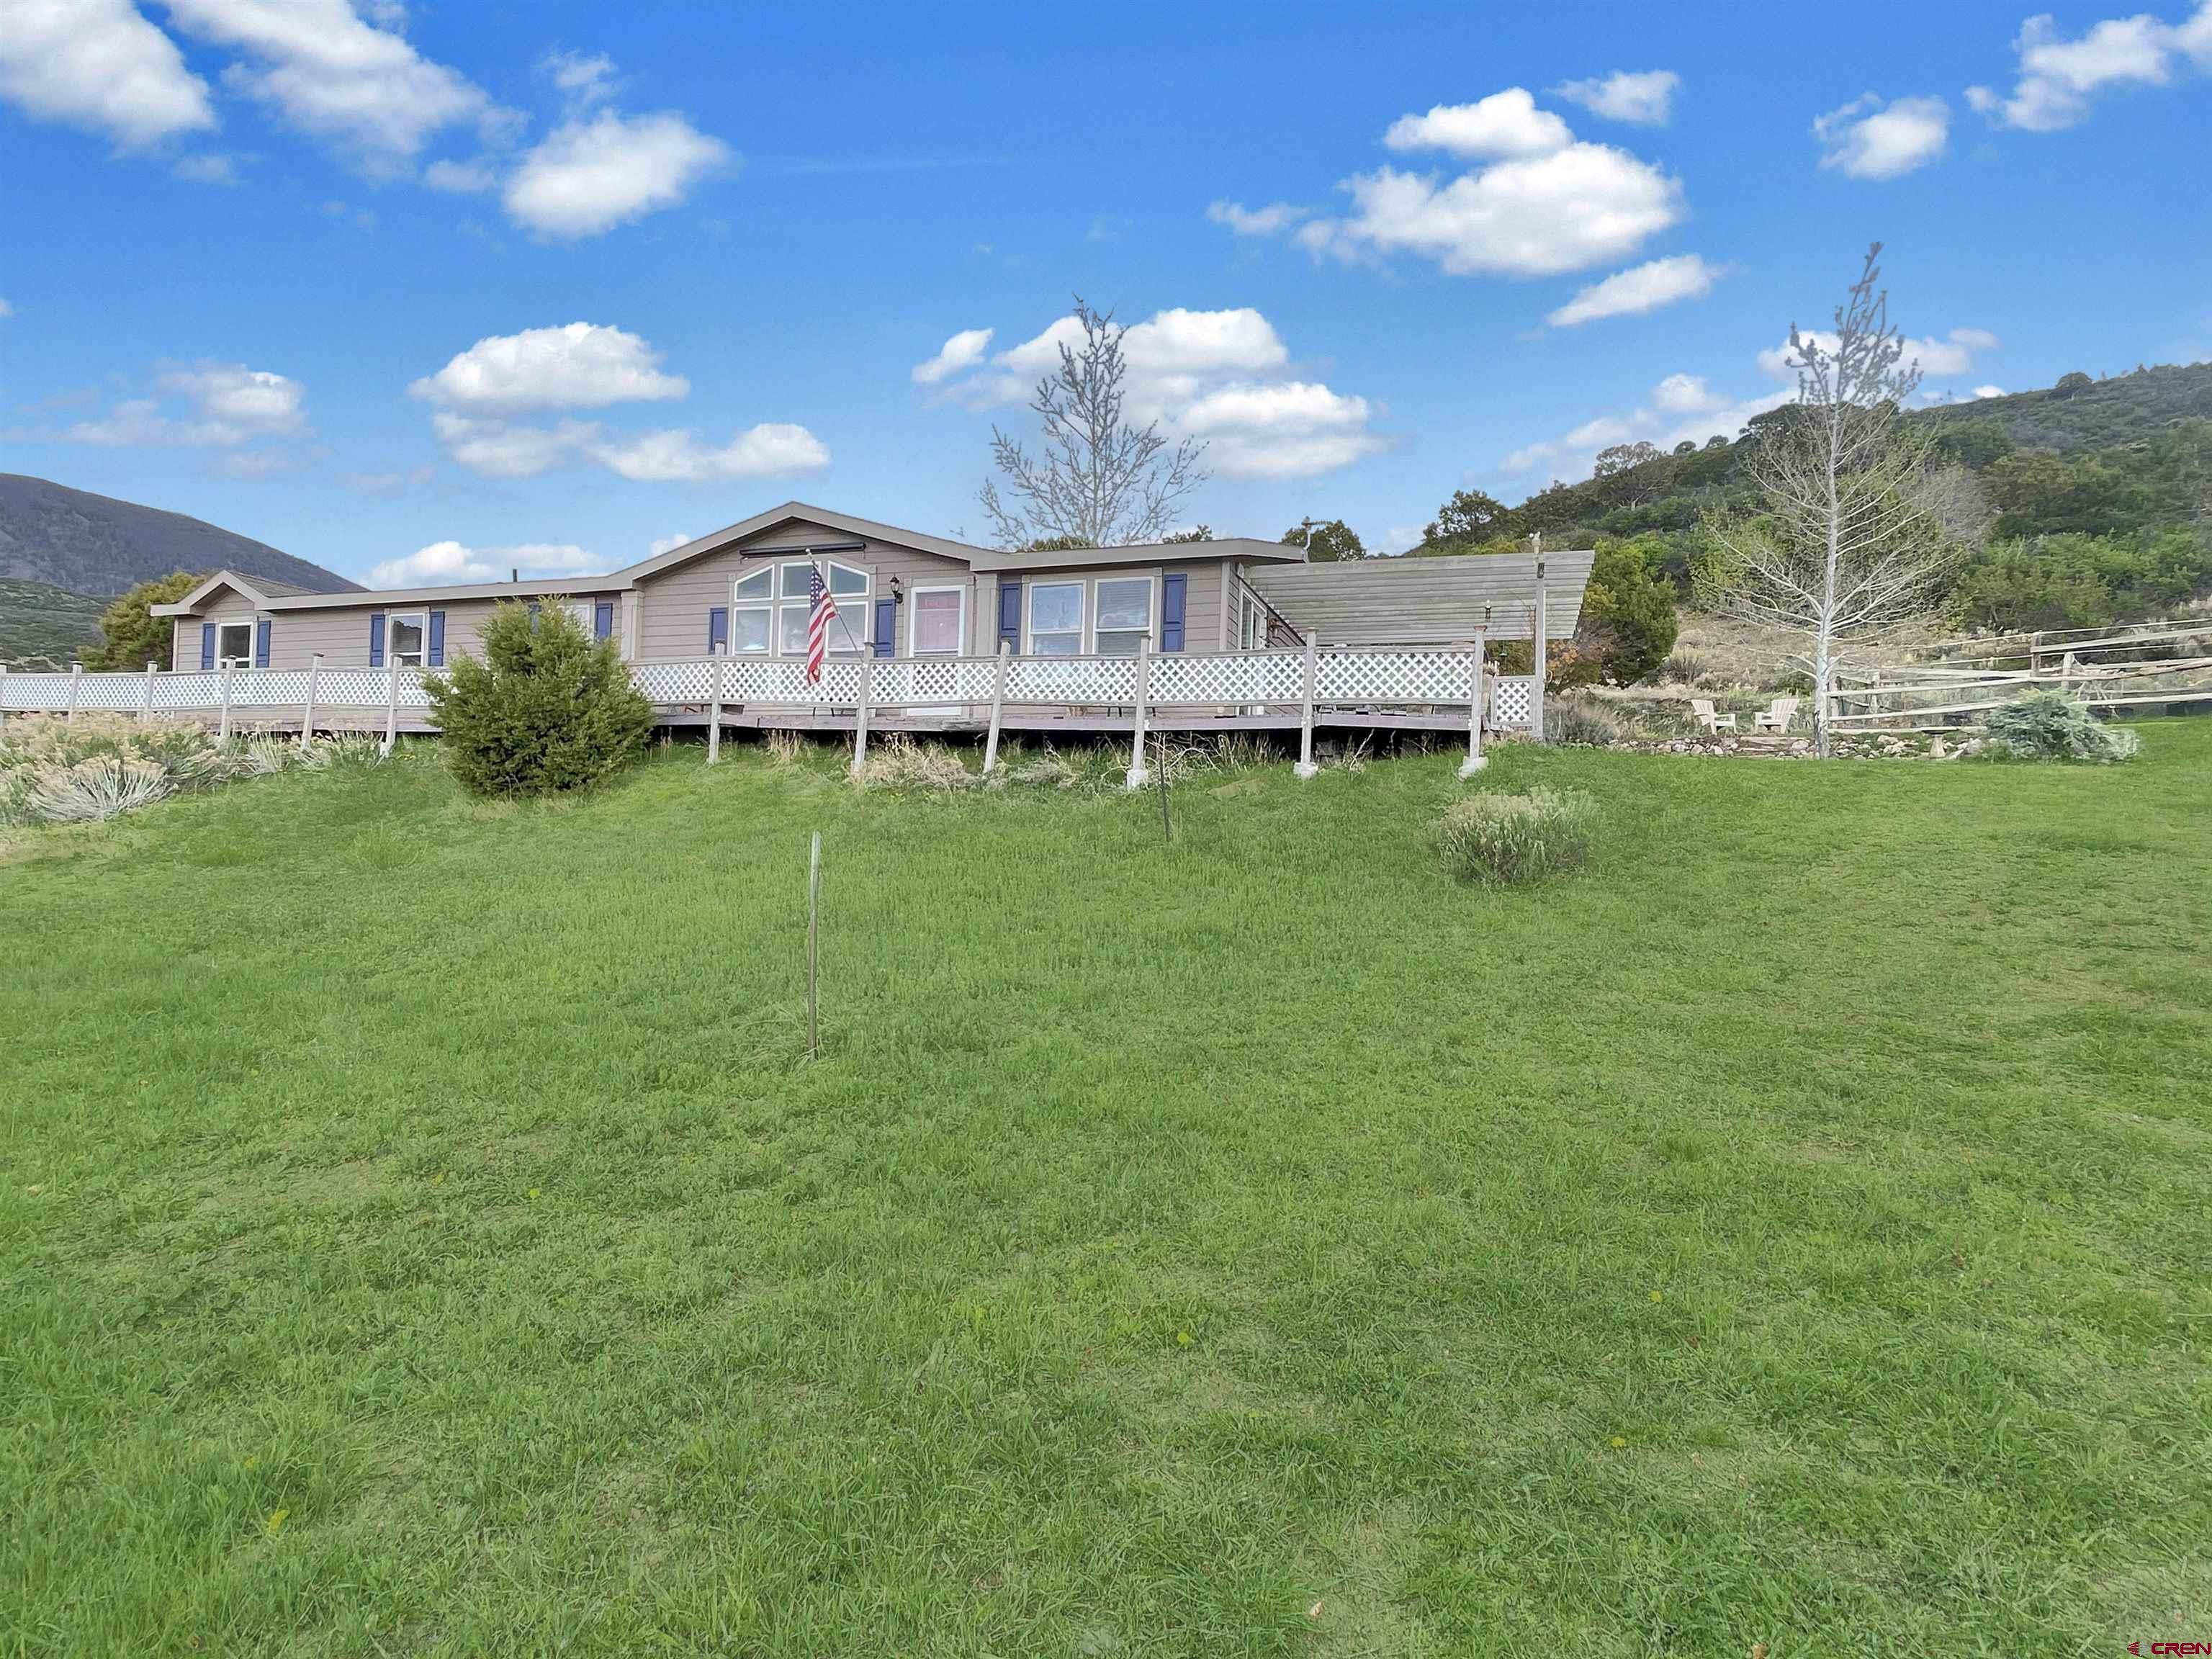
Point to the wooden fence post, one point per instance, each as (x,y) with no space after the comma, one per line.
(146,693)
(714,715)
(1476,760)
(391,708)
(861,714)
(1306,768)
(998,698)
(813,931)
(222,721)
(1138,775)
(308,706)
(4,686)
(1541,654)
(77,679)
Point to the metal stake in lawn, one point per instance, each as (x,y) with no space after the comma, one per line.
(813,914)
(1167,829)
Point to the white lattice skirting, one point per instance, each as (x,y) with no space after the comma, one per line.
(1344,681)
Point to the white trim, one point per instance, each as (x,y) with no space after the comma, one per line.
(859,644)
(1150,633)
(422,619)
(913,622)
(245,660)
(1029,617)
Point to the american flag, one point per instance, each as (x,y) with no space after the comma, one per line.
(824,612)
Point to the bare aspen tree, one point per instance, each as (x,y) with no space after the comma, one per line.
(1852,535)
(1098,481)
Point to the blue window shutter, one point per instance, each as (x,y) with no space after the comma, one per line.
(718,628)
(1010,614)
(207,646)
(261,643)
(376,638)
(603,620)
(436,642)
(886,627)
(1172,590)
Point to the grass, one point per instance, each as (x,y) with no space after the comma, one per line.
(420,1232)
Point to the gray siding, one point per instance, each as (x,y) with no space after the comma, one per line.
(1201,620)
(340,633)
(672,606)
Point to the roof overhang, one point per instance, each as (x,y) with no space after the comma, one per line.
(198,596)
(1246,549)
(1422,601)
(858,530)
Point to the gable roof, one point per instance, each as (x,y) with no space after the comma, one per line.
(865,529)
(1248,548)
(259,592)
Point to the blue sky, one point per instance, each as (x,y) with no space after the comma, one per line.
(445,289)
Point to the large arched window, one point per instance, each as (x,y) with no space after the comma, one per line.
(769,607)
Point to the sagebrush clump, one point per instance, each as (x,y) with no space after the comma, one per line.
(2048,725)
(549,709)
(98,766)
(1500,839)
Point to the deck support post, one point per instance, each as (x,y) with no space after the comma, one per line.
(714,715)
(861,714)
(1306,768)
(998,701)
(1139,775)
(3,701)
(307,703)
(223,719)
(1476,760)
(1541,654)
(146,693)
(77,679)
(391,710)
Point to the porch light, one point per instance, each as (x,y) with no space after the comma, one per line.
(898,591)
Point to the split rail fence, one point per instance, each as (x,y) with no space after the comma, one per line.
(2118,670)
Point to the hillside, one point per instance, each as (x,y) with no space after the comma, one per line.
(2112,456)
(85,543)
(44,626)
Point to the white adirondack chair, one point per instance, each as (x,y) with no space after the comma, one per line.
(1776,718)
(1703,709)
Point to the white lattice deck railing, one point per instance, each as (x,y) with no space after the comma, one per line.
(1348,679)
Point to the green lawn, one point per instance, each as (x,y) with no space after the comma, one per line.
(421,1231)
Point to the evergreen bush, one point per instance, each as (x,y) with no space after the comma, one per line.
(547,710)
(2048,725)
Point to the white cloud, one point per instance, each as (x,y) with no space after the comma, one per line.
(447,564)
(225,406)
(583,80)
(577,366)
(1210,374)
(6,310)
(1288,429)
(1868,139)
(1505,123)
(964,351)
(1644,98)
(1645,288)
(661,545)
(768,450)
(1681,409)
(1576,207)
(588,176)
(1268,221)
(461,177)
(2059,76)
(1989,392)
(100,65)
(499,449)
(1540,201)
(387,486)
(334,74)
(1950,355)
(206,169)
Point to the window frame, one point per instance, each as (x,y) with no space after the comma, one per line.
(1147,635)
(1031,589)
(242,659)
(393,657)
(777,602)
(914,619)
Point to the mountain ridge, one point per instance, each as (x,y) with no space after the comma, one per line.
(99,546)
